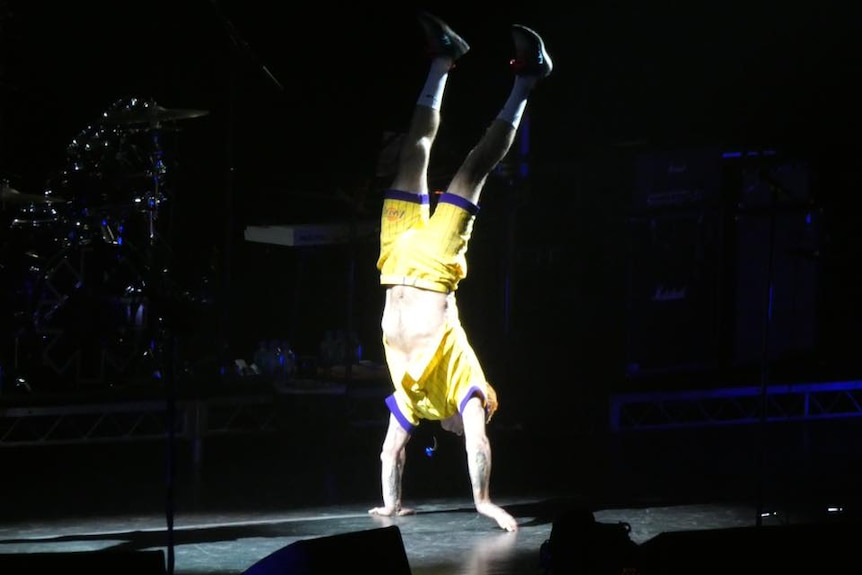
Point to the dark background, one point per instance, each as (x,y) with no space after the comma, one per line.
(299,103)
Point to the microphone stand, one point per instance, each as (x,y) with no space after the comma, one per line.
(242,47)
(764,367)
(775,190)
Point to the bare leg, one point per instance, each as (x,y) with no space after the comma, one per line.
(444,47)
(416,151)
(493,147)
(393,456)
(478,449)
(531,64)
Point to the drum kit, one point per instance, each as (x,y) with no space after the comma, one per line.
(81,260)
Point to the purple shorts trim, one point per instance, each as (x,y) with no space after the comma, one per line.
(406,197)
(465,205)
(393,408)
(473,391)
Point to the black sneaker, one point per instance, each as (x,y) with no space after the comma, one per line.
(531,59)
(441,39)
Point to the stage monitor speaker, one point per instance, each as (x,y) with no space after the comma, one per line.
(813,548)
(85,562)
(380,550)
(578,544)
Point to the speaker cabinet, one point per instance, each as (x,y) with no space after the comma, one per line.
(379,550)
(85,563)
(811,548)
(674,274)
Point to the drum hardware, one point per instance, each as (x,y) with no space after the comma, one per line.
(114,155)
(148,112)
(92,302)
(9,195)
(34,216)
(153,197)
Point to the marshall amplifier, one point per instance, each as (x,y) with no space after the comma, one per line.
(677,178)
(674,292)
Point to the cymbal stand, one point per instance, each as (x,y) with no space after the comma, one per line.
(162,346)
(153,197)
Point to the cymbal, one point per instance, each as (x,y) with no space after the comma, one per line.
(152,114)
(13,196)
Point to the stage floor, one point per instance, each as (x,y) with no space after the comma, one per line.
(254,499)
(445,538)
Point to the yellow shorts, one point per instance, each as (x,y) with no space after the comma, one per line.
(428,251)
(453,375)
(424,250)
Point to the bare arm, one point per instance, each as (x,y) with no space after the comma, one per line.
(479,463)
(392,459)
